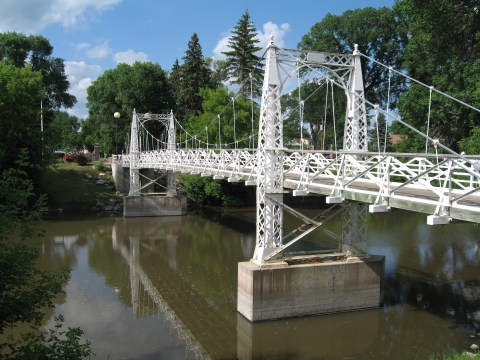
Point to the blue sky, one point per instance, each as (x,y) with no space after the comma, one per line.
(95,35)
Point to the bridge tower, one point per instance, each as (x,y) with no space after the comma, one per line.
(271,287)
(270,162)
(151,204)
(355,214)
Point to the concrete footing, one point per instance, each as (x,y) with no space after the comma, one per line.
(274,291)
(154,205)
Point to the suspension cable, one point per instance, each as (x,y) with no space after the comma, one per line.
(252,138)
(388,109)
(302,107)
(234,127)
(423,84)
(428,119)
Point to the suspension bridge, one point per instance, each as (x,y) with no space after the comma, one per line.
(441,183)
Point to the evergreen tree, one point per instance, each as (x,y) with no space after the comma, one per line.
(195,75)
(241,59)
(175,78)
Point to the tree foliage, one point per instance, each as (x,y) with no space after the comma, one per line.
(25,291)
(378,34)
(142,86)
(193,75)
(242,60)
(20,94)
(234,126)
(63,132)
(36,51)
(443,51)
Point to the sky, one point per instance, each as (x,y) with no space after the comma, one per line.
(95,35)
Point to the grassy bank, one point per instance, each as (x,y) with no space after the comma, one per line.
(73,188)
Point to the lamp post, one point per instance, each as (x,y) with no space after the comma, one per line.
(116,115)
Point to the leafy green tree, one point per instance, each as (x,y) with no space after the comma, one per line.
(25,291)
(20,93)
(36,51)
(216,102)
(141,86)
(323,124)
(206,191)
(63,132)
(242,59)
(195,75)
(471,144)
(379,35)
(443,51)
(378,133)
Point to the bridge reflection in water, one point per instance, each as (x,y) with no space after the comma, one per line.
(177,276)
(150,249)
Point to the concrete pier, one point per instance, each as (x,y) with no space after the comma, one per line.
(154,205)
(280,290)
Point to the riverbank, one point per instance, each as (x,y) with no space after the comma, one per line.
(73,189)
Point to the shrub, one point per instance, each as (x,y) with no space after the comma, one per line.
(81,159)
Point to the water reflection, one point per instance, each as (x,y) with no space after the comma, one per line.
(145,288)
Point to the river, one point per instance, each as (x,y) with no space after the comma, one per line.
(165,288)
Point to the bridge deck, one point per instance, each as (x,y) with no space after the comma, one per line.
(421,183)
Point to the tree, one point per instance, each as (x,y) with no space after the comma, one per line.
(242,59)
(379,35)
(379,135)
(195,75)
(25,291)
(20,115)
(204,126)
(20,93)
(63,132)
(214,102)
(323,124)
(443,51)
(35,50)
(141,86)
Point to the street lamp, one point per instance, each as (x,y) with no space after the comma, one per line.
(116,115)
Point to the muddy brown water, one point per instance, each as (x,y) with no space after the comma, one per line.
(165,288)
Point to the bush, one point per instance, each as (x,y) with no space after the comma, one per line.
(81,160)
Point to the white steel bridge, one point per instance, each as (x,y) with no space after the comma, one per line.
(443,184)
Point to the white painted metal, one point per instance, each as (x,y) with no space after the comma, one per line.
(171,144)
(355,215)
(269,162)
(355,133)
(134,156)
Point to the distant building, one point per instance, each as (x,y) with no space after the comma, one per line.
(396,138)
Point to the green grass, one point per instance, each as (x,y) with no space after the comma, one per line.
(66,187)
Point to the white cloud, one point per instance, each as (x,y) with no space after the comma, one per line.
(80,75)
(30,16)
(129,57)
(278,33)
(99,51)
(269,28)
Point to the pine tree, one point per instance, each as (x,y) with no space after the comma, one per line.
(195,76)
(241,59)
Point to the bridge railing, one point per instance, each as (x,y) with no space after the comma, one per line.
(444,181)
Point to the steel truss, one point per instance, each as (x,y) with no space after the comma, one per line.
(446,186)
(136,152)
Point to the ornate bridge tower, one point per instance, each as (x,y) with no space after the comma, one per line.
(277,288)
